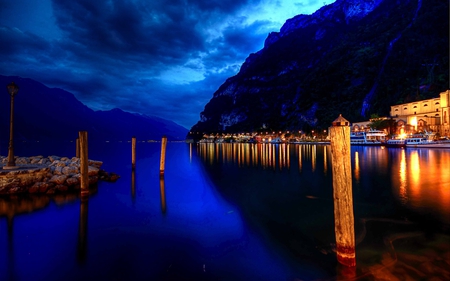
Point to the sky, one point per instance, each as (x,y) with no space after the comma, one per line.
(164,58)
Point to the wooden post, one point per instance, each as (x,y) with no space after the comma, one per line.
(133,153)
(77,148)
(342,192)
(84,163)
(163,155)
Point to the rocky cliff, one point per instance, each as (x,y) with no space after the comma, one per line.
(352,57)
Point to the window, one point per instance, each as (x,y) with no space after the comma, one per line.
(396,109)
(405,108)
(425,105)
(415,107)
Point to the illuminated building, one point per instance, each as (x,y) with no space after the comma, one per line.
(430,115)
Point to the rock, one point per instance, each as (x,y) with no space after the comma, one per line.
(93,171)
(53,158)
(70,170)
(96,164)
(58,179)
(56,174)
(33,189)
(72,181)
(22,160)
(105,176)
(59,163)
(61,187)
(93,179)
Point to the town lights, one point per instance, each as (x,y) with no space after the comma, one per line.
(12,90)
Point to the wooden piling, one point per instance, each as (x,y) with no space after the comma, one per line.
(163,156)
(133,153)
(342,192)
(83,136)
(77,148)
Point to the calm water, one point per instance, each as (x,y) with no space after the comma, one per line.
(228,212)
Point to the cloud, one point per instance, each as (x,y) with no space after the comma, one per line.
(162,58)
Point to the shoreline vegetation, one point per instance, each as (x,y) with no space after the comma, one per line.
(49,175)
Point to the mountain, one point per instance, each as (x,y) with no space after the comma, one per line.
(352,57)
(42,113)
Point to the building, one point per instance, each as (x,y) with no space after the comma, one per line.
(418,116)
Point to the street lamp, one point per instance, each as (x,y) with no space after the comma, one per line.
(12,90)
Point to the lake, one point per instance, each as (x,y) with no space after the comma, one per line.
(231,212)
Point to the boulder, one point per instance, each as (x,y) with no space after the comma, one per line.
(58,179)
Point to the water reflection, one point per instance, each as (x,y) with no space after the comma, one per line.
(133,184)
(162,191)
(264,155)
(403,196)
(82,230)
(356,170)
(422,181)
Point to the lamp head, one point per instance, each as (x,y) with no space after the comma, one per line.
(12,89)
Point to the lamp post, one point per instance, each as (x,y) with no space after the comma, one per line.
(12,90)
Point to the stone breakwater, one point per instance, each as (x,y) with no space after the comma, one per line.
(49,175)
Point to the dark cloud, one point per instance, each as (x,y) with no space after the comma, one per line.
(163,58)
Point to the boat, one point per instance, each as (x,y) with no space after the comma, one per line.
(395,142)
(426,140)
(371,137)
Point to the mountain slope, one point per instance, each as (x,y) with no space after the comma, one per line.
(42,113)
(352,57)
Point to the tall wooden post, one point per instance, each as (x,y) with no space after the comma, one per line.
(77,148)
(342,192)
(163,156)
(83,136)
(133,153)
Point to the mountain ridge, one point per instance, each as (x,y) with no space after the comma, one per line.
(351,62)
(43,113)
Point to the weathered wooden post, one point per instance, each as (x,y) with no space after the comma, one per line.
(342,192)
(77,148)
(133,153)
(163,156)
(83,136)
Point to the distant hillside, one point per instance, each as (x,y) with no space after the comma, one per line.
(352,57)
(42,113)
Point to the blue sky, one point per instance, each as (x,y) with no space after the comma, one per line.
(164,58)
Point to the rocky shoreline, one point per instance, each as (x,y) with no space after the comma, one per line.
(49,175)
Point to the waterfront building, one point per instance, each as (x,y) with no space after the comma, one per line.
(429,115)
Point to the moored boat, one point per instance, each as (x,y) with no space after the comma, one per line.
(372,137)
(395,142)
(426,140)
